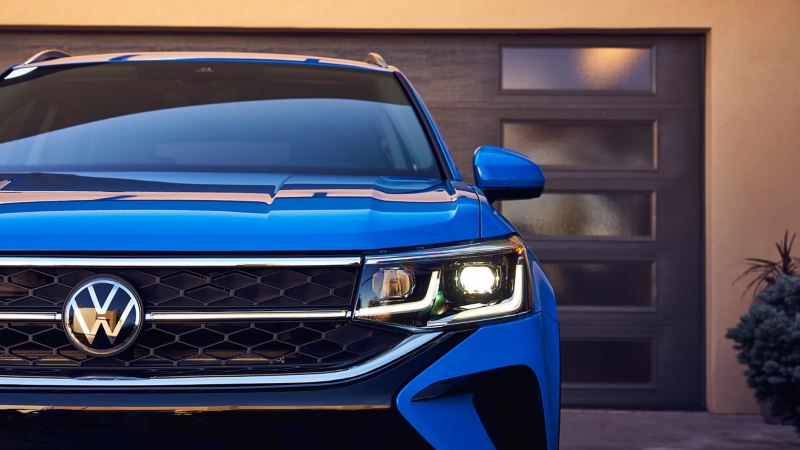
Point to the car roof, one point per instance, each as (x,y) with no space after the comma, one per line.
(209,56)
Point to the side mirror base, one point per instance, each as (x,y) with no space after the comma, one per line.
(494,194)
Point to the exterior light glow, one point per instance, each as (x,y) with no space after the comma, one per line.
(449,285)
(393,283)
(477,279)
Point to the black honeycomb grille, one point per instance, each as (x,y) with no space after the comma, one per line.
(242,288)
(193,348)
(189,348)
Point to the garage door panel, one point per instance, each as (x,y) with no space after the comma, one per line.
(622,140)
(583,284)
(585,214)
(630,348)
(638,142)
(617,281)
(584,144)
(624,172)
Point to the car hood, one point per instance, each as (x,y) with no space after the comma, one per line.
(230,212)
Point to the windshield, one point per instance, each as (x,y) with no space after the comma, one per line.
(211,116)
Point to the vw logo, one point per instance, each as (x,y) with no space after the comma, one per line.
(103,316)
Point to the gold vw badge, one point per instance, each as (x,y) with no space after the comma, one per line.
(103,316)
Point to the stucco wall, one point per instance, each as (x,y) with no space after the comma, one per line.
(752,101)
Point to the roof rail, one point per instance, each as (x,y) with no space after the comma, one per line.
(46,55)
(376,59)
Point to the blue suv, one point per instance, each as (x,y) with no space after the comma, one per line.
(226,232)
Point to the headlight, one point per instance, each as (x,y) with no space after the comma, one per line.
(437,287)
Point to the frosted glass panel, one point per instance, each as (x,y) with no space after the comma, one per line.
(577,68)
(614,283)
(606,361)
(583,214)
(585,145)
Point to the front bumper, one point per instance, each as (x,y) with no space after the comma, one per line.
(496,385)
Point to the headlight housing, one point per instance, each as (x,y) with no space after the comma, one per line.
(445,286)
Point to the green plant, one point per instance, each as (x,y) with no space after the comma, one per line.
(768,343)
(768,337)
(765,271)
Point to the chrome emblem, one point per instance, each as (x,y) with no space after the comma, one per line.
(103,316)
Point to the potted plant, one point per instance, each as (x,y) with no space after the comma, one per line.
(767,337)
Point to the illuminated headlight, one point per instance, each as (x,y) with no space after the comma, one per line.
(437,287)
(478,278)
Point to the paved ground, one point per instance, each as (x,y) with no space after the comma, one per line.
(600,430)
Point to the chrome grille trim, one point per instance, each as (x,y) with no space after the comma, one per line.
(13,316)
(188,262)
(407,346)
(192,316)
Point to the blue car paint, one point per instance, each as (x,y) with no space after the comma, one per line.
(497,167)
(451,422)
(281,213)
(264,213)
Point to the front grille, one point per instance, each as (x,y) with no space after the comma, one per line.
(240,288)
(192,347)
(209,348)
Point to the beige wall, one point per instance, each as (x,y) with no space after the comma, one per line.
(753,101)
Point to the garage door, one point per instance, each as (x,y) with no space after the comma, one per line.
(616,120)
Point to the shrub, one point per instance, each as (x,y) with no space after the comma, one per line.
(768,343)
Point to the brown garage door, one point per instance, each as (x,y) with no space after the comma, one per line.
(617,122)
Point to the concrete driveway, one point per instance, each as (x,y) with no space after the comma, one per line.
(618,430)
